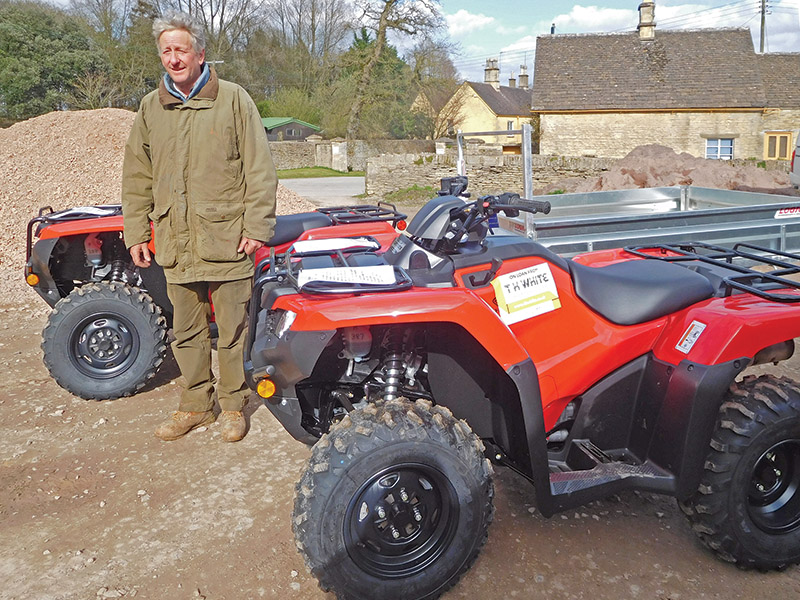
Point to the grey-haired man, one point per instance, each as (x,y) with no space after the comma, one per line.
(197,165)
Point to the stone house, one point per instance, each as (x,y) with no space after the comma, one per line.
(489,106)
(285,129)
(705,92)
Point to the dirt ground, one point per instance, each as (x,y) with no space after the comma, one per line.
(93,506)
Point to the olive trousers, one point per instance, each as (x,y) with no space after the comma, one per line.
(192,345)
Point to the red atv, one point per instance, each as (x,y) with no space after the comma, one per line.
(408,367)
(107,333)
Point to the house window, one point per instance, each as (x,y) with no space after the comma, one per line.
(719,148)
(777,144)
(510,125)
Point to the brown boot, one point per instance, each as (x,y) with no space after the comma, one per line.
(233,425)
(181,423)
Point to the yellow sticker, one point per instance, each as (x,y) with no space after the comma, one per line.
(526,293)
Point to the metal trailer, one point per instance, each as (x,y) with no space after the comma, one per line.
(581,223)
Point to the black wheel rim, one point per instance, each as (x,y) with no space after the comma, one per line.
(401,520)
(774,495)
(103,346)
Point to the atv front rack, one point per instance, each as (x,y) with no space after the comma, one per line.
(366,213)
(344,270)
(737,268)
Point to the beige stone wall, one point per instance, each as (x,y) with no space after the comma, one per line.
(614,135)
(293,155)
(489,171)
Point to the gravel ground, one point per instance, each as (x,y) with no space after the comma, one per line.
(93,506)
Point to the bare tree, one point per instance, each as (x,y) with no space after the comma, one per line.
(437,80)
(108,17)
(313,32)
(409,17)
(227,23)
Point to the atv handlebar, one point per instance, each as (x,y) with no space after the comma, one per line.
(532,206)
(511,204)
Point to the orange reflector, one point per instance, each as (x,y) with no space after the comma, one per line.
(265,388)
(401,225)
(32,279)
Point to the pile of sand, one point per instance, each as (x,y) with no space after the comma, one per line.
(659,166)
(65,160)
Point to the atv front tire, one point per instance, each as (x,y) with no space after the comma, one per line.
(747,508)
(396,502)
(104,340)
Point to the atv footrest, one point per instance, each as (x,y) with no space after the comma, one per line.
(604,474)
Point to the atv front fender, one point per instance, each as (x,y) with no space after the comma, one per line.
(450,305)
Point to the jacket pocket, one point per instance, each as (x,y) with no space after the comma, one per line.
(219,230)
(164,237)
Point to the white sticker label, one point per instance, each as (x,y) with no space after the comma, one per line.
(788,213)
(526,293)
(690,336)
(334,244)
(374,275)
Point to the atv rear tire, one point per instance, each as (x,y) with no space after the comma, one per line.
(396,502)
(104,340)
(747,508)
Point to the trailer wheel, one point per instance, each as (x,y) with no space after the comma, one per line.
(104,340)
(396,502)
(747,507)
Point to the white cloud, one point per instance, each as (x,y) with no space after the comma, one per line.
(526,43)
(518,30)
(585,19)
(464,22)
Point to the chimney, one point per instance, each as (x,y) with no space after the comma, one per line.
(523,77)
(647,23)
(512,83)
(492,73)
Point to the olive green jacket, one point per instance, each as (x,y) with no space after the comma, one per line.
(202,172)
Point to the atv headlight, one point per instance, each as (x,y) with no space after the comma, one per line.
(285,322)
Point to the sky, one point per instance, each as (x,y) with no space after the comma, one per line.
(507,29)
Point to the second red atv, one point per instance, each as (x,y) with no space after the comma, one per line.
(106,335)
(411,368)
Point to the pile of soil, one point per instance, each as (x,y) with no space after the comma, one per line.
(659,166)
(65,160)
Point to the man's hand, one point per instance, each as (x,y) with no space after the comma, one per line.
(140,254)
(248,245)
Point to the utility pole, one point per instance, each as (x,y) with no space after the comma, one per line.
(763,22)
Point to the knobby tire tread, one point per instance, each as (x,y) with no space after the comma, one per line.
(365,430)
(750,408)
(155,343)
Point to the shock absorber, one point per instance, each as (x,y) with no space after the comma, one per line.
(393,365)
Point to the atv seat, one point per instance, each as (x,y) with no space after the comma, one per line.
(638,291)
(289,227)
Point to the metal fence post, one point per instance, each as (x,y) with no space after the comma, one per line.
(527,162)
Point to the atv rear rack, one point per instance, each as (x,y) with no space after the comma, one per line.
(735,266)
(366,213)
(48,216)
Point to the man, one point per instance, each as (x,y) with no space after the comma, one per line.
(198,166)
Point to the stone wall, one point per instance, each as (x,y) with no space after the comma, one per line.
(293,155)
(615,134)
(489,172)
(333,153)
(366,149)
